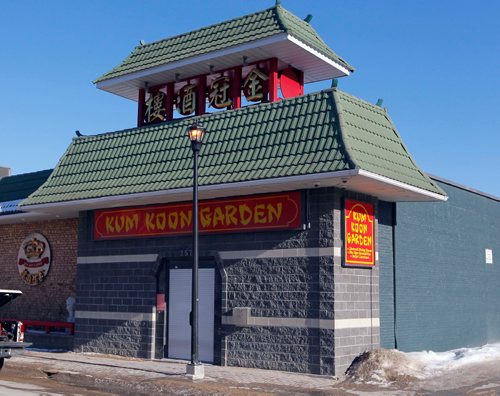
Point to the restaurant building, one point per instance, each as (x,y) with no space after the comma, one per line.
(298,195)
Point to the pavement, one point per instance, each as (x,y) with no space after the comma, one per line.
(97,374)
(120,375)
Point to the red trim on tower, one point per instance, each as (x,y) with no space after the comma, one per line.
(201,95)
(237,87)
(141,106)
(301,80)
(169,103)
(273,80)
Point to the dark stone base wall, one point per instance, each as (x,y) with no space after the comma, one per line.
(116,337)
(285,348)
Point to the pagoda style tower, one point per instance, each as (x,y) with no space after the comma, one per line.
(255,58)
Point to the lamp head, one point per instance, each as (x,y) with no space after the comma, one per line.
(195,133)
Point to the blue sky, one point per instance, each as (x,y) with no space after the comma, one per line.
(436,64)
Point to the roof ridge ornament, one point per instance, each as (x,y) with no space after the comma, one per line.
(308,18)
(278,3)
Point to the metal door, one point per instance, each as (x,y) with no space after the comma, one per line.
(179,307)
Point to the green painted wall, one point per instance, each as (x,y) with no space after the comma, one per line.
(446,295)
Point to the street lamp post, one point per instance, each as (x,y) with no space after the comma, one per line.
(195,369)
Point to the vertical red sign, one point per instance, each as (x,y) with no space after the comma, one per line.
(359,234)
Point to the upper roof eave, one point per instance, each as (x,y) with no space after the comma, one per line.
(288,49)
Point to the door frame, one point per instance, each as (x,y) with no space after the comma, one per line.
(182,258)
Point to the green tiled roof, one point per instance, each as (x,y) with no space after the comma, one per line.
(375,145)
(227,34)
(323,132)
(21,186)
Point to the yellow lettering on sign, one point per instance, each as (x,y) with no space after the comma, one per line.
(213,216)
(231,211)
(173,220)
(218,216)
(186,218)
(119,223)
(359,239)
(259,215)
(274,211)
(132,223)
(205,217)
(359,217)
(161,221)
(359,228)
(109,224)
(245,214)
(150,225)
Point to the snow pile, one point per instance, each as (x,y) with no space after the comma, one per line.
(383,366)
(436,363)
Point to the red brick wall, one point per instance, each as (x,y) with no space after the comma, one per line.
(46,301)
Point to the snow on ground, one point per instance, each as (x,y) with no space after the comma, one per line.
(382,366)
(436,363)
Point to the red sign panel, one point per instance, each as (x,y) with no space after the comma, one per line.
(359,234)
(262,212)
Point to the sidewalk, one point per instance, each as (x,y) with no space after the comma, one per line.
(151,376)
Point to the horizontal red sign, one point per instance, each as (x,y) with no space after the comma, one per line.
(262,212)
(359,235)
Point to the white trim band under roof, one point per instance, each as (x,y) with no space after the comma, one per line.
(402,185)
(287,183)
(189,190)
(319,55)
(192,60)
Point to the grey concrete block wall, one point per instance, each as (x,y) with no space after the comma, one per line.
(356,297)
(447,296)
(120,288)
(291,287)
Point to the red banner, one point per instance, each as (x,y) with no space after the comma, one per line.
(263,212)
(33,264)
(359,234)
